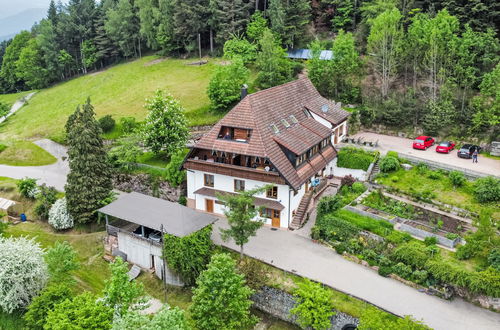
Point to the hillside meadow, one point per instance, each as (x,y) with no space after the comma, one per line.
(119,91)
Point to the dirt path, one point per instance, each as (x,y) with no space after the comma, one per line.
(16,106)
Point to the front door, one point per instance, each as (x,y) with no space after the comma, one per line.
(275,218)
(209,205)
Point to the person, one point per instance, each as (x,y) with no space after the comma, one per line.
(474,156)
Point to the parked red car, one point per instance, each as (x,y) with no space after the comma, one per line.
(423,142)
(445,147)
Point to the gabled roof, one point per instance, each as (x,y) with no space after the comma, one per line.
(306,54)
(154,213)
(260,110)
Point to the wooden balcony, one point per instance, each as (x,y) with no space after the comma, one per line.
(234,171)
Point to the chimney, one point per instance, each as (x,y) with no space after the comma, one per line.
(244,91)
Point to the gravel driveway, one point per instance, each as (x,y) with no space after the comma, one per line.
(386,143)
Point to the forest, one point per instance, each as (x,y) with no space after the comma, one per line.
(426,66)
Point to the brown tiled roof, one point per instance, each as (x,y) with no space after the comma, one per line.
(259,110)
(257,201)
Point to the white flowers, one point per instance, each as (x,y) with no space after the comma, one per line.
(23,272)
(59,217)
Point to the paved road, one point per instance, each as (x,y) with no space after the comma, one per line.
(402,145)
(16,106)
(52,175)
(300,255)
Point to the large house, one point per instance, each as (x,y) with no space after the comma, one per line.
(283,136)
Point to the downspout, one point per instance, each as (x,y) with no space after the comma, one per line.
(289,211)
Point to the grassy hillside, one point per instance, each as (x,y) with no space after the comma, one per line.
(119,91)
(9,99)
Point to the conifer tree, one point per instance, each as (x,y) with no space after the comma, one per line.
(231,17)
(89,179)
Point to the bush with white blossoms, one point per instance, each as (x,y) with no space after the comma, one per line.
(59,217)
(23,272)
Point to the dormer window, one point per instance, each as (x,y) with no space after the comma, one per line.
(293,119)
(285,123)
(274,128)
(235,134)
(306,112)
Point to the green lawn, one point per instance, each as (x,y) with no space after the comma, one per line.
(25,153)
(444,191)
(9,99)
(119,91)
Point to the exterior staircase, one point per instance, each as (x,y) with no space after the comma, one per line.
(375,171)
(298,219)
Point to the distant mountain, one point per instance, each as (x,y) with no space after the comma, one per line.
(24,20)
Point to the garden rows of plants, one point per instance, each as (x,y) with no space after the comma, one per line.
(421,262)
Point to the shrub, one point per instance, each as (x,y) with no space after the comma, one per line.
(382,228)
(433,175)
(452,236)
(23,272)
(395,178)
(314,306)
(347,180)
(422,168)
(354,158)
(255,273)
(59,217)
(431,240)
(189,255)
(61,261)
(341,248)
(358,188)
(384,270)
(457,178)
(183,200)
(129,124)
(173,172)
(494,258)
(238,47)
(487,189)
(329,204)
(27,187)
(45,198)
(332,228)
(402,270)
(392,154)
(107,123)
(2,147)
(397,237)
(37,312)
(420,276)
(4,110)
(389,164)
(167,318)
(412,253)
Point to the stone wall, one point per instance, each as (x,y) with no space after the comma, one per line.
(368,214)
(423,234)
(279,303)
(144,184)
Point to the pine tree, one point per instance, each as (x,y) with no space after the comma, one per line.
(230,18)
(52,13)
(297,17)
(89,179)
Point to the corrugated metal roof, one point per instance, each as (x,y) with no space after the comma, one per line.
(6,203)
(306,54)
(152,212)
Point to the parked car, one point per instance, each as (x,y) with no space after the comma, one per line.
(423,142)
(467,150)
(445,147)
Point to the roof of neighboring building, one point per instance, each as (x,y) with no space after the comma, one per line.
(257,200)
(260,110)
(306,54)
(153,212)
(5,204)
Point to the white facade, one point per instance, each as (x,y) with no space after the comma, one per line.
(339,132)
(146,255)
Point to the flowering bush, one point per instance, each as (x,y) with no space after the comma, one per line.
(23,272)
(59,217)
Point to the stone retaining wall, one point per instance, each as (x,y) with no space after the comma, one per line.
(279,303)
(368,214)
(423,234)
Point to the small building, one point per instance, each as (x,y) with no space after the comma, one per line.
(136,223)
(282,136)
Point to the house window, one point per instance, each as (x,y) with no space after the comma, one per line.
(239,185)
(306,112)
(285,123)
(275,129)
(220,202)
(293,119)
(272,192)
(266,213)
(209,180)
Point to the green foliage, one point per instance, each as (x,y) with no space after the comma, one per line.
(84,311)
(377,200)
(402,270)
(256,26)
(389,164)
(372,319)
(224,89)
(126,152)
(431,240)
(487,189)
(166,126)
(45,197)
(393,154)
(256,275)
(329,204)
(189,255)
(221,299)
(412,253)
(166,318)
(173,172)
(494,258)
(274,68)
(128,124)
(355,158)
(385,270)
(332,228)
(314,305)
(27,187)
(121,294)
(37,311)
(358,188)
(10,58)
(89,179)
(241,216)
(240,48)
(4,111)
(107,123)
(61,262)
(457,178)
(382,228)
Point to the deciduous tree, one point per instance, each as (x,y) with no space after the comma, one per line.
(224,88)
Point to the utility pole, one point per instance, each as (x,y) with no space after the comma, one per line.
(199,44)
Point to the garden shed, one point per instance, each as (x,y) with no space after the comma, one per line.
(136,223)
(6,204)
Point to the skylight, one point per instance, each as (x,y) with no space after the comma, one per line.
(275,128)
(293,119)
(285,123)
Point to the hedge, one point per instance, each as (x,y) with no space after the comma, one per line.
(355,158)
